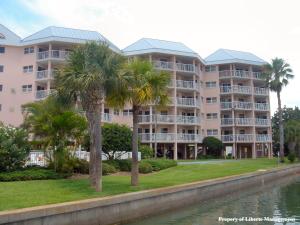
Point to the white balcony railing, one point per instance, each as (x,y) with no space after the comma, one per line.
(188,119)
(44,74)
(244,121)
(185,67)
(234,73)
(163,65)
(263,138)
(237,138)
(262,122)
(53,54)
(236,89)
(187,101)
(226,121)
(169,119)
(236,105)
(257,75)
(163,118)
(262,106)
(186,84)
(41,94)
(165,137)
(106,117)
(188,137)
(261,91)
(144,118)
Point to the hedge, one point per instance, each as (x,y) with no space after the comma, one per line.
(161,164)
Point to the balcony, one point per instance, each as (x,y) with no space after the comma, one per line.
(160,137)
(262,122)
(188,119)
(237,121)
(226,121)
(238,89)
(188,102)
(257,76)
(186,67)
(237,138)
(263,138)
(234,73)
(261,91)
(106,117)
(53,54)
(41,94)
(44,74)
(163,65)
(187,84)
(236,105)
(182,137)
(262,107)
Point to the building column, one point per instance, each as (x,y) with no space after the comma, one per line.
(196,150)
(254,150)
(175,108)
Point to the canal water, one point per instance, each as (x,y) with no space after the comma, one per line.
(277,203)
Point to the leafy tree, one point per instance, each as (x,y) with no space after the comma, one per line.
(85,79)
(277,75)
(14,148)
(213,146)
(53,126)
(292,135)
(146,151)
(139,84)
(116,138)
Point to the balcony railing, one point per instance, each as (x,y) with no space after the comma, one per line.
(237,105)
(226,121)
(53,54)
(169,119)
(185,67)
(234,73)
(188,119)
(44,74)
(165,137)
(144,118)
(257,75)
(106,117)
(41,94)
(244,121)
(237,138)
(187,101)
(188,137)
(236,89)
(163,118)
(262,122)
(163,65)
(262,106)
(261,91)
(263,138)
(187,84)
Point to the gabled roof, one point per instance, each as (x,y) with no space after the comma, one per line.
(7,37)
(149,45)
(53,33)
(222,56)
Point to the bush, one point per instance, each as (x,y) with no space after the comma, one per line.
(113,163)
(146,151)
(213,146)
(124,164)
(32,173)
(108,169)
(81,166)
(292,157)
(145,167)
(161,164)
(14,148)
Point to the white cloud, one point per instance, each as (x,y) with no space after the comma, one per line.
(267,28)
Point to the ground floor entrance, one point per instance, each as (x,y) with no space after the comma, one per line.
(248,150)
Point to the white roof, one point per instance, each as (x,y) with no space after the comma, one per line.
(7,37)
(222,56)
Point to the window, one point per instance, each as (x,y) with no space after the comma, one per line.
(27,88)
(1,68)
(2,50)
(211,100)
(28,50)
(211,84)
(116,112)
(27,69)
(127,112)
(1,87)
(212,132)
(210,116)
(210,68)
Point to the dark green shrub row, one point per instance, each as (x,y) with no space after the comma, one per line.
(33,173)
(145,167)
(161,164)
(108,169)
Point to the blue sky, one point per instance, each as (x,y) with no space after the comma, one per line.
(267,28)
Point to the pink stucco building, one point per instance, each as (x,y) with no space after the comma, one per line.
(222,95)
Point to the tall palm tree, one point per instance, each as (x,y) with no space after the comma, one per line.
(139,84)
(85,79)
(277,75)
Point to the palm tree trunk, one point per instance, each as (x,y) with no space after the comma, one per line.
(135,162)
(94,119)
(281,131)
(155,137)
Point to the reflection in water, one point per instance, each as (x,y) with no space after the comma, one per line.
(276,200)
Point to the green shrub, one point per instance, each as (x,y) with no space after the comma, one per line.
(124,164)
(114,163)
(292,157)
(14,148)
(146,151)
(145,167)
(161,164)
(81,166)
(108,169)
(32,173)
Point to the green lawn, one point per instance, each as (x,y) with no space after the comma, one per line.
(22,194)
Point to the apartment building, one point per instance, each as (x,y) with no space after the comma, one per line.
(222,95)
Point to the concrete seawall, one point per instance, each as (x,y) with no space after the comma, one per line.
(121,208)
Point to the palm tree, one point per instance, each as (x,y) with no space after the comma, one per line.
(139,84)
(277,76)
(86,79)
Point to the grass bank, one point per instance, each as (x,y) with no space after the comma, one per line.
(23,194)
